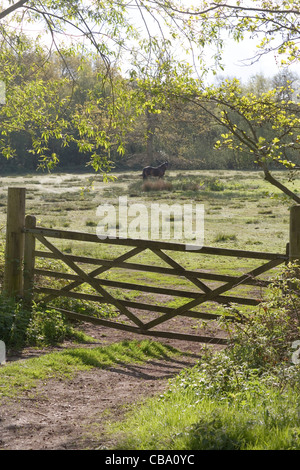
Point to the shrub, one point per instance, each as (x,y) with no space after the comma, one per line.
(46,327)
(264,337)
(243,397)
(13,323)
(214,184)
(91,223)
(20,327)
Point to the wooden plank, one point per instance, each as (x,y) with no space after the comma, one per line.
(150,289)
(122,285)
(132,329)
(29,261)
(145,306)
(151,244)
(86,278)
(14,246)
(127,303)
(213,294)
(294,244)
(154,269)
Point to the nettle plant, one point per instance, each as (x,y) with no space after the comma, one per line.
(264,337)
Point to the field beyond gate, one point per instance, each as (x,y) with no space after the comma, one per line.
(147,285)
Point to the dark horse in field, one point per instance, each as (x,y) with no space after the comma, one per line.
(155,170)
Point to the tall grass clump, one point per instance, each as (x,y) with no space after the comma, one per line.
(158,185)
(223,237)
(245,397)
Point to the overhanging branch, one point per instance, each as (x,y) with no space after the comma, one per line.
(277,184)
(12,8)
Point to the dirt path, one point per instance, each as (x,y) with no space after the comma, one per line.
(71,414)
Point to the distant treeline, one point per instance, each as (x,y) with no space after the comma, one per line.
(181,133)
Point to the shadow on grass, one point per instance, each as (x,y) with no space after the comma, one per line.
(121,353)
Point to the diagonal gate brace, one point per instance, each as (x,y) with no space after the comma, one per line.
(113,264)
(88,279)
(214,293)
(181,270)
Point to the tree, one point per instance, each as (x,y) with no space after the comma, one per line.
(266,124)
(41,106)
(267,127)
(110,29)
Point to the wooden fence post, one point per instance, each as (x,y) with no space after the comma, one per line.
(29,261)
(14,249)
(294,251)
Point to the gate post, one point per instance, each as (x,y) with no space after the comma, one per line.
(294,250)
(29,261)
(14,248)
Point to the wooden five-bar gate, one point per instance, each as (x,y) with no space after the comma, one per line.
(21,274)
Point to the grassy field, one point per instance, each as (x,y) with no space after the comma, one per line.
(241,211)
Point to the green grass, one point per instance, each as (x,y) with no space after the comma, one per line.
(246,397)
(220,404)
(187,421)
(222,237)
(23,375)
(236,203)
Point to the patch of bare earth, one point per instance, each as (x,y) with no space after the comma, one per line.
(72,414)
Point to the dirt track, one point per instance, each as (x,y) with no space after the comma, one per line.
(71,414)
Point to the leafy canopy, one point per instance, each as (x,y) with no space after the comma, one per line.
(145,47)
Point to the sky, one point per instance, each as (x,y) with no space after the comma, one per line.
(234,60)
(234,55)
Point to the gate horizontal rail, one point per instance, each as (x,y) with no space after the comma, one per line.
(154,269)
(127,303)
(132,329)
(153,244)
(149,289)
